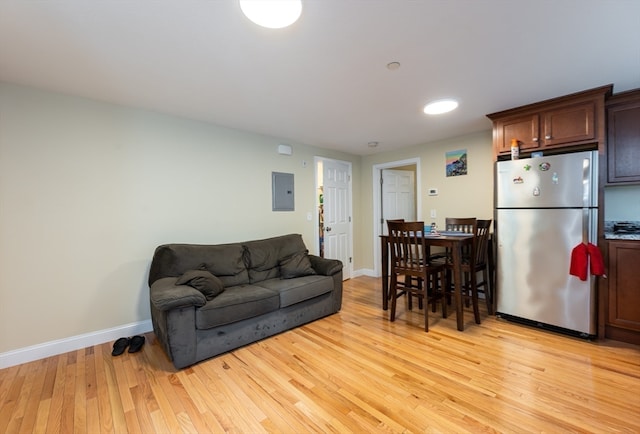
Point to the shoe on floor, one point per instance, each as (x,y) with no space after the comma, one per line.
(120,345)
(136,344)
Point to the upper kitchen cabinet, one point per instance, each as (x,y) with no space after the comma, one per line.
(623,137)
(571,121)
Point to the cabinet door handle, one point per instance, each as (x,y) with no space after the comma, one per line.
(535,139)
(548,137)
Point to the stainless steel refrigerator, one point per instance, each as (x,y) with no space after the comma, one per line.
(545,207)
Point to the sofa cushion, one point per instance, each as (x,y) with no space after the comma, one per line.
(226,261)
(205,282)
(166,295)
(297,265)
(264,256)
(324,266)
(237,303)
(294,291)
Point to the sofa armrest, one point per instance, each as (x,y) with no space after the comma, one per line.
(324,266)
(166,295)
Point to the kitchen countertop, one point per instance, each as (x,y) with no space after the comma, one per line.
(610,235)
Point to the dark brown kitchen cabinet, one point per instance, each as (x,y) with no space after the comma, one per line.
(570,124)
(623,294)
(571,121)
(524,128)
(623,137)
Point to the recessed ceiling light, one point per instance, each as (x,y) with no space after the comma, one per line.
(393,65)
(373,144)
(440,106)
(274,14)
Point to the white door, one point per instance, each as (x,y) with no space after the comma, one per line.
(379,224)
(337,213)
(398,196)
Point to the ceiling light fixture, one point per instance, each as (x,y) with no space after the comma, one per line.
(273,14)
(392,66)
(373,144)
(440,106)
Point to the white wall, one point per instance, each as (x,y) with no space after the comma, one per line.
(88,190)
(622,203)
(468,195)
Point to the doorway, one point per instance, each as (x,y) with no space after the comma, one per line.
(333,219)
(399,198)
(398,195)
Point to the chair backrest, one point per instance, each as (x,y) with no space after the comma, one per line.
(393,220)
(407,245)
(468,225)
(482,239)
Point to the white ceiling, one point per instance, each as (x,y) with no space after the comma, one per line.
(324,81)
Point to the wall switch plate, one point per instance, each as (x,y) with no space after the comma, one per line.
(433,191)
(433,213)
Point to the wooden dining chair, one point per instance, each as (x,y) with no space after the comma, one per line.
(466,224)
(469,292)
(474,264)
(482,263)
(408,260)
(408,280)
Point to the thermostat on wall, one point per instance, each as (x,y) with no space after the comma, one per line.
(433,192)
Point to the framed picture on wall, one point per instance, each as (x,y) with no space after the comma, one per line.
(456,162)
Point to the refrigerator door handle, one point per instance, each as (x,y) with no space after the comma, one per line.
(586,182)
(590,180)
(586,225)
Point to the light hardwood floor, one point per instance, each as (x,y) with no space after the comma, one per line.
(351,372)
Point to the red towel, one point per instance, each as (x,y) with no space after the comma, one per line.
(579,261)
(595,259)
(585,255)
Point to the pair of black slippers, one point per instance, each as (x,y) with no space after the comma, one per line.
(135,344)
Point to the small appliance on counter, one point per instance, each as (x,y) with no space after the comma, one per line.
(622,230)
(626,228)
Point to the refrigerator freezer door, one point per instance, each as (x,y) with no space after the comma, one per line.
(533,281)
(564,181)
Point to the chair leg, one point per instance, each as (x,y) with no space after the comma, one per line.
(488,291)
(426,309)
(466,288)
(446,285)
(408,282)
(443,291)
(394,297)
(474,297)
(433,279)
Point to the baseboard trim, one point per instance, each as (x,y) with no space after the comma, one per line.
(365,272)
(73,343)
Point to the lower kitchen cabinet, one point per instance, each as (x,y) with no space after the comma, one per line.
(622,308)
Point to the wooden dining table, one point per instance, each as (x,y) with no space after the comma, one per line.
(453,242)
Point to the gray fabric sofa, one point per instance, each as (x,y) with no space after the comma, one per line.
(210,299)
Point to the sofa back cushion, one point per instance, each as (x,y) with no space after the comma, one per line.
(226,261)
(264,256)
